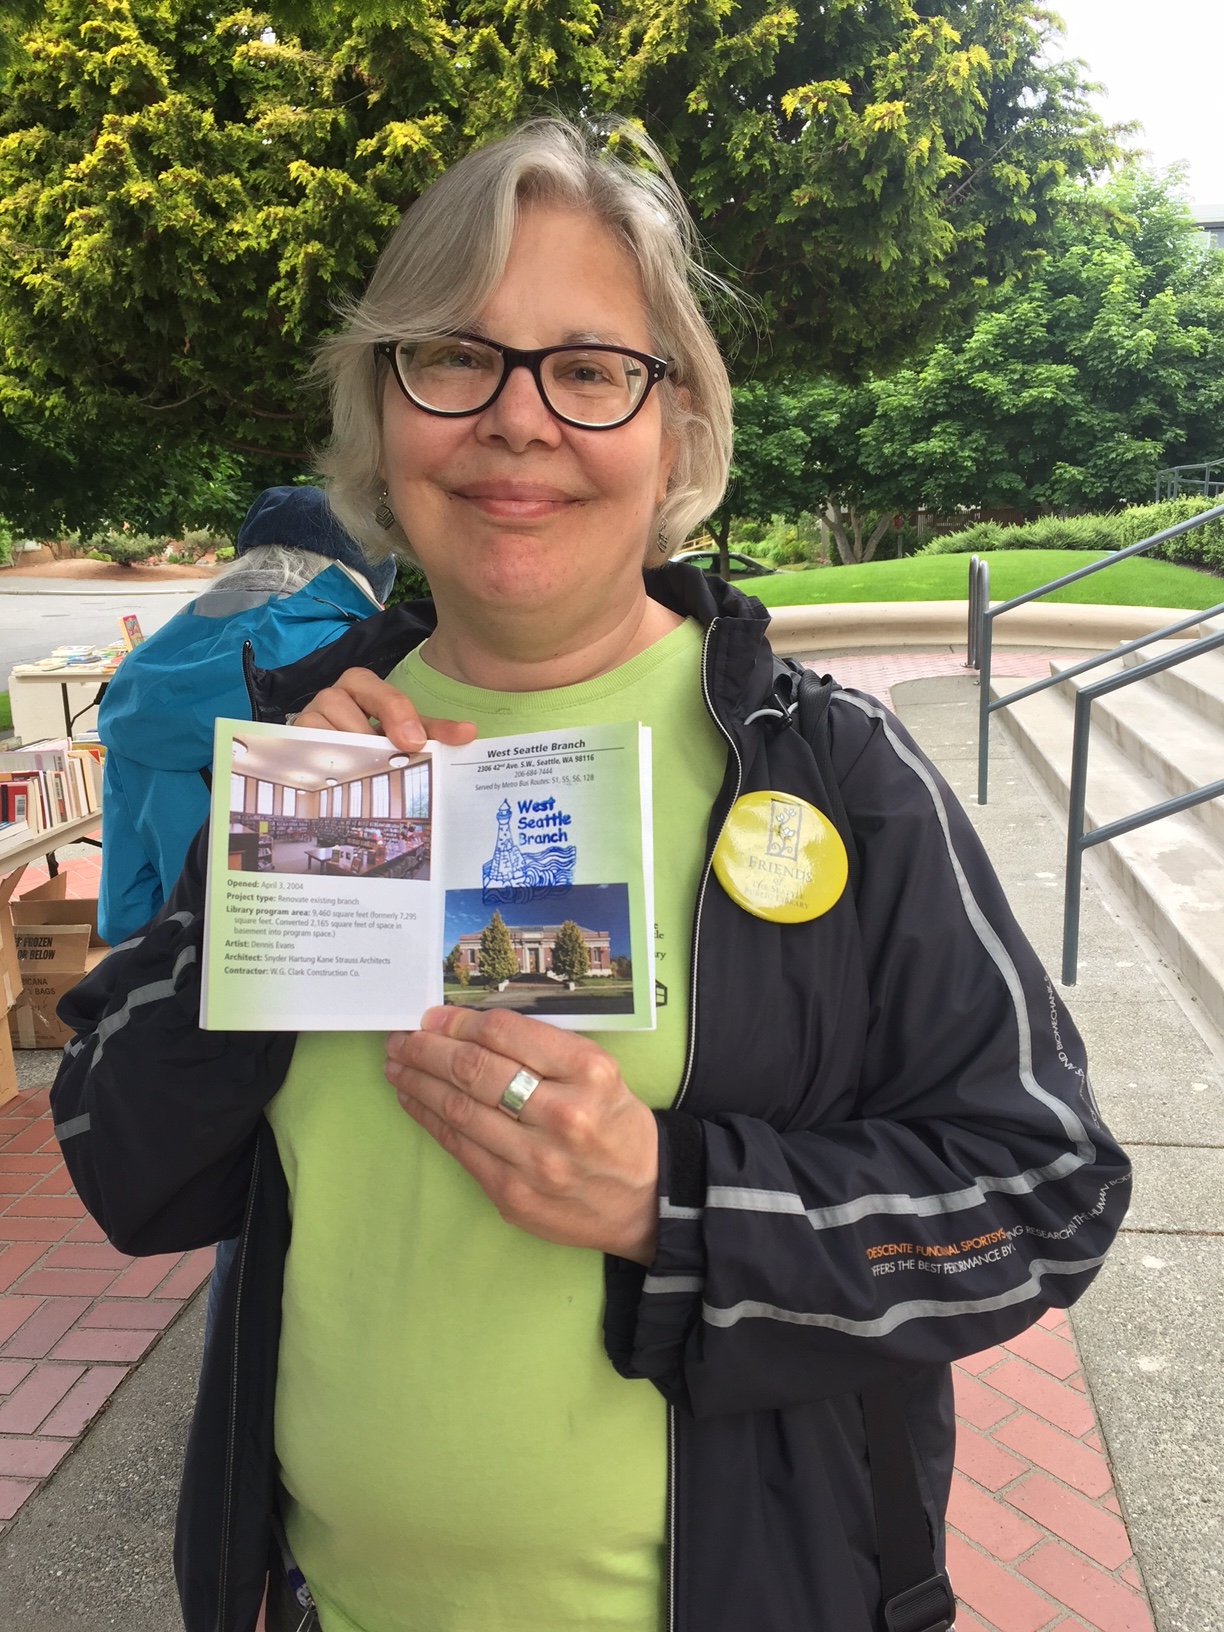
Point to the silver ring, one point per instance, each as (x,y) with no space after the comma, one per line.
(517,1092)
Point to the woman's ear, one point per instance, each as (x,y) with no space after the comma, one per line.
(682,402)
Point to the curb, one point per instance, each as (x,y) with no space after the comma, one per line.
(102,586)
(891,625)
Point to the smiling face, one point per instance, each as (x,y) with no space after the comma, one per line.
(512,514)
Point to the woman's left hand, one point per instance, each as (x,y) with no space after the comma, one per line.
(580,1164)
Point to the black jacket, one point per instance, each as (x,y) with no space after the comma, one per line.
(884,1154)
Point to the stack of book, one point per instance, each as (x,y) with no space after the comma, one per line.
(71,657)
(49,784)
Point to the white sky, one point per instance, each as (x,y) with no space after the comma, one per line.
(1162,64)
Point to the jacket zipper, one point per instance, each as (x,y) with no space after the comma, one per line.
(227,1513)
(680,1093)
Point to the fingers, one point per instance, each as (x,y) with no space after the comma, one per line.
(564,1056)
(359,696)
(467,1067)
(452,1115)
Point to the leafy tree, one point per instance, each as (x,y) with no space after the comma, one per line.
(1070,392)
(797,449)
(496,959)
(570,958)
(455,965)
(187,188)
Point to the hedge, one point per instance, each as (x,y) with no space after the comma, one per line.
(1203,548)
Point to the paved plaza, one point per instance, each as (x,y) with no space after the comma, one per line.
(1085,1496)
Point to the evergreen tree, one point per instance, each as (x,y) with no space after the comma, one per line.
(455,966)
(570,958)
(497,959)
(189,191)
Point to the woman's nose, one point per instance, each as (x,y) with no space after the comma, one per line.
(520,415)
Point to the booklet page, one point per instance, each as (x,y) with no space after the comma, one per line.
(323,913)
(548,877)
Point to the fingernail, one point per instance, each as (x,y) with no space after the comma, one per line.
(396,1040)
(433,1019)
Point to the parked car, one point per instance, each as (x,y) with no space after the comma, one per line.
(738,566)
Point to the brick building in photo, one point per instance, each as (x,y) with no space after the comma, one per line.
(533,946)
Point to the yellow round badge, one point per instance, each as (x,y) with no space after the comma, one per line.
(780,858)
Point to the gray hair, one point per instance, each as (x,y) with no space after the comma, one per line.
(270,569)
(444,260)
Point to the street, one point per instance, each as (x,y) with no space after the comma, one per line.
(31,625)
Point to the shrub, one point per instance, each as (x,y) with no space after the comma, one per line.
(1204,547)
(785,543)
(124,548)
(1047,533)
(225,553)
(198,542)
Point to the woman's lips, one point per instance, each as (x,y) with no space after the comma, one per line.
(515,501)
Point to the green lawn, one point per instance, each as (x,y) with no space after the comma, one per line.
(1137,582)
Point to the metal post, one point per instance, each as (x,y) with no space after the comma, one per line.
(984,641)
(971,637)
(1077,798)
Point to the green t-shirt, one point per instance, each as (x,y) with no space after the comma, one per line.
(458,1453)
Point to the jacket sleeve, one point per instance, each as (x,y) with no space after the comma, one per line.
(157,1119)
(974,1187)
(130,891)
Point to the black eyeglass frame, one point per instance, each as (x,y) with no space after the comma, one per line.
(657,369)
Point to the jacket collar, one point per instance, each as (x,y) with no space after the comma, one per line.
(738,664)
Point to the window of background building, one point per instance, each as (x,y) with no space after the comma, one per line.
(380,796)
(416,790)
(263,798)
(289,802)
(237,792)
(354,801)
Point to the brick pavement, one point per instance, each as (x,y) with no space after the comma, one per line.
(75,1315)
(1036,1539)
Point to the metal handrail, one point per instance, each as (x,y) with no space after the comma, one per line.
(1077,840)
(981,628)
(1179,480)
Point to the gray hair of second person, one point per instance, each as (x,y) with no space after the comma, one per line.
(444,260)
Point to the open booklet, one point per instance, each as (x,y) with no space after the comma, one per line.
(351,886)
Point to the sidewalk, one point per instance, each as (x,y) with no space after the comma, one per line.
(1038,1541)
(75,1315)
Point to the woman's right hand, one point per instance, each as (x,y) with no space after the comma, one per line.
(359,696)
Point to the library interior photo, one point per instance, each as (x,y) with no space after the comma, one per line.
(302,807)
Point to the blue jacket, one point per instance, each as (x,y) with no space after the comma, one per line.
(156,720)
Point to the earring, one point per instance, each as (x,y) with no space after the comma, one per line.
(661,542)
(383,513)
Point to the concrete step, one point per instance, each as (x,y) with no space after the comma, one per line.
(1198,683)
(1171,871)
(1179,745)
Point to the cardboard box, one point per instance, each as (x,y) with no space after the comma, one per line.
(8,1068)
(10,969)
(10,985)
(57,943)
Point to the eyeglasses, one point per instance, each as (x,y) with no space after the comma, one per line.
(592,387)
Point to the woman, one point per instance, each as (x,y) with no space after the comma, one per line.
(593,1331)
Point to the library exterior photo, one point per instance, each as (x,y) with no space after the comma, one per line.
(507,955)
